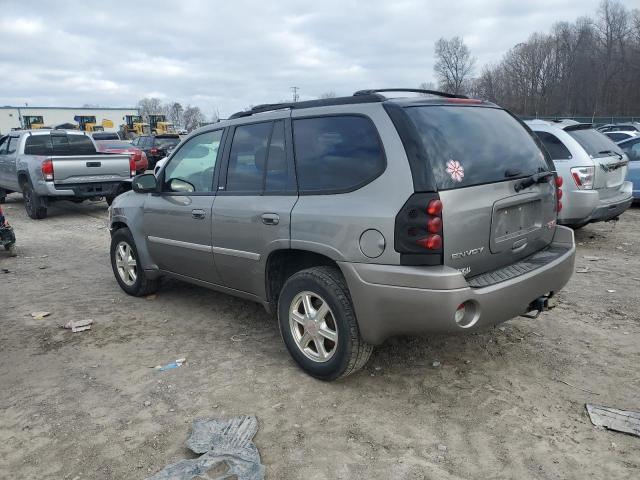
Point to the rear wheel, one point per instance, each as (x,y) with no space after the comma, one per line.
(318,324)
(126,265)
(34,204)
(11,249)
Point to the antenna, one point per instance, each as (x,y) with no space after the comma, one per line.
(296,97)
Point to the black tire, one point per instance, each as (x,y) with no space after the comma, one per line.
(577,226)
(34,204)
(142,285)
(109,200)
(351,351)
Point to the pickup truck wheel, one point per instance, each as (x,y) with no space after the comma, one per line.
(34,204)
(126,265)
(318,324)
(109,200)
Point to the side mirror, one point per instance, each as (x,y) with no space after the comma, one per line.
(145,183)
(178,185)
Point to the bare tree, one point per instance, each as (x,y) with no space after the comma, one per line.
(330,94)
(150,106)
(176,112)
(454,65)
(192,118)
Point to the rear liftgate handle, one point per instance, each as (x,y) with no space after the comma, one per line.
(198,214)
(270,218)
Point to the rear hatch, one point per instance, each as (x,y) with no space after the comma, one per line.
(483,161)
(610,163)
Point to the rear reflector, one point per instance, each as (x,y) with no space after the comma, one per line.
(434,225)
(132,165)
(47,169)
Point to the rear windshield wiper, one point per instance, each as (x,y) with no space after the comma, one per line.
(611,152)
(532,180)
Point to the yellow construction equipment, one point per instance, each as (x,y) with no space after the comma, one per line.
(32,121)
(159,124)
(133,127)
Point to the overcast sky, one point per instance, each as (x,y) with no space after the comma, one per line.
(232,54)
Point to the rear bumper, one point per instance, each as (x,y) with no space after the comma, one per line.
(85,190)
(586,206)
(397,300)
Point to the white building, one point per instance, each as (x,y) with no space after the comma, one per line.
(22,117)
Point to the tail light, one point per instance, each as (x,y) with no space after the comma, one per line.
(418,230)
(559,183)
(132,164)
(144,162)
(583,176)
(47,169)
(154,151)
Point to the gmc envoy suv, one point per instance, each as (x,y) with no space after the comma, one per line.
(354,219)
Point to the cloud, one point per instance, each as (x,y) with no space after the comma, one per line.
(229,55)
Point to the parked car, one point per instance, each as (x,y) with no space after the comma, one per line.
(49,165)
(156,146)
(159,164)
(631,148)
(120,146)
(618,136)
(355,219)
(105,136)
(594,169)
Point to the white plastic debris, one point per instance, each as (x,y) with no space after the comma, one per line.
(39,315)
(78,325)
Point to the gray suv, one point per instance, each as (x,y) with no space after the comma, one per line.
(354,219)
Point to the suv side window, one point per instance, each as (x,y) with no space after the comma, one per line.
(195,162)
(248,157)
(553,145)
(336,153)
(277,169)
(4,141)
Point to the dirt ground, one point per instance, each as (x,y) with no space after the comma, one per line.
(75,406)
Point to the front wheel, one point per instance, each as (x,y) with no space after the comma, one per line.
(127,267)
(318,324)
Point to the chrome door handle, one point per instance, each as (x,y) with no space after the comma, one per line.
(198,214)
(270,218)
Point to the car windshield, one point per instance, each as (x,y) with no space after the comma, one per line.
(111,145)
(164,142)
(596,144)
(475,145)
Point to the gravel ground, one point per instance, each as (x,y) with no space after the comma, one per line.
(487,405)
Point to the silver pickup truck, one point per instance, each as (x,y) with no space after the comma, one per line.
(48,165)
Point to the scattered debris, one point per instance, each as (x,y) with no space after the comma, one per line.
(611,291)
(467,362)
(227,450)
(582,270)
(78,325)
(241,337)
(442,448)
(6,270)
(625,421)
(574,386)
(591,258)
(146,403)
(39,315)
(169,366)
(435,364)
(151,297)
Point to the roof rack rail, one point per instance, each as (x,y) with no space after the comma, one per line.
(412,90)
(325,102)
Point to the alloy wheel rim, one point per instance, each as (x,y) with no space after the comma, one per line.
(313,326)
(126,263)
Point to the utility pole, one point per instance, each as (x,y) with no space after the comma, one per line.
(295,93)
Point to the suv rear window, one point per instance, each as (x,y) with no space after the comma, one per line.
(164,142)
(336,153)
(469,146)
(596,144)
